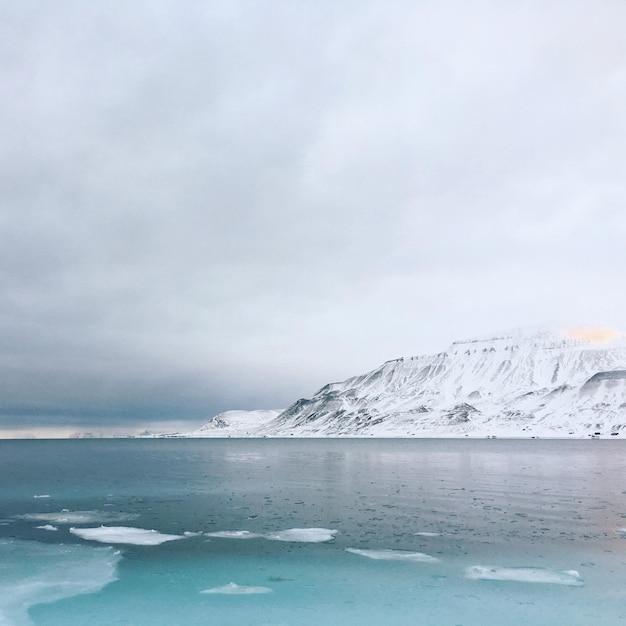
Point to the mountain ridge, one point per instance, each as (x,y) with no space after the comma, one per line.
(516,384)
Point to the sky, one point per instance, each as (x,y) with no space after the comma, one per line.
(211,205)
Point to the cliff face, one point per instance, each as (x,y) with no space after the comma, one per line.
(519,384)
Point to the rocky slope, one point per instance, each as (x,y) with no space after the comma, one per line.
(518,384)
(235,424)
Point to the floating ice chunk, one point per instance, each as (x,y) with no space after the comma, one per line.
(45,495)
(237,590)
(188,533)
(78,517)
(303,535)
(394,555)
(35,573)
(124,534)
(47,527)
(234,534)
(525,575)
(425,534)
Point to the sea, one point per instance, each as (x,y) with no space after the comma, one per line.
(313,531)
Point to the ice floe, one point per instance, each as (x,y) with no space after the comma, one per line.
(43,495)
(124,534)
(237,590)
(303,535)
(525,575)
(78,517)
(296,535)
(234,534)
(47,527)
(425,534)
(36,573)
(394,555)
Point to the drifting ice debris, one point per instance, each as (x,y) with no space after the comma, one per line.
(296,535)
(78,517)
(524,575)
(303,535)
(45,573)
(234,589)
(233,534)
(394,555)
(123,534)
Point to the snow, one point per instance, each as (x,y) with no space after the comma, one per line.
(394,555)
(41,573)
(78,517)
(523,384)
(569,383)
(524,575)
(303,535)
(235,589)
(296,535)
(233,424)
(123,534)
(234,534)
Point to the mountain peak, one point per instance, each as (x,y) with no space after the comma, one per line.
(524,382)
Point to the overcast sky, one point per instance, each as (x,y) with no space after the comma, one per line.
(213,205)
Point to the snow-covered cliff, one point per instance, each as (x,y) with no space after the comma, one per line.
(518,384)
(235,424)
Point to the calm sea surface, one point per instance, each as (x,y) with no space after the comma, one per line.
(289,532)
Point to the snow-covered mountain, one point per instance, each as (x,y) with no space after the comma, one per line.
(518,384)
(235,424)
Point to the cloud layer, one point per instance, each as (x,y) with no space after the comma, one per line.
(216,205)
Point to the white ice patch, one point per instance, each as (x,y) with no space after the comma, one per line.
(303,535)
(237,590)
(124,534)
(36,573)
(296,535)
(44,495)
(234,534)
(394,555)
(425,534)
(78,517)
(47,527)
(525,575)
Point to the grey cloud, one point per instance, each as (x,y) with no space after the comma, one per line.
(221,205)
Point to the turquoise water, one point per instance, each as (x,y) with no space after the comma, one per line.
(450,532)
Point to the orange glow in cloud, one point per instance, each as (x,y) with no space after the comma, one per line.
(593,334)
